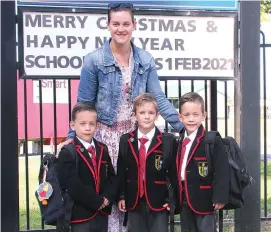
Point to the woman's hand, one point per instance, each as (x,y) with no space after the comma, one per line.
(218,206)
(61,145)
(121,205)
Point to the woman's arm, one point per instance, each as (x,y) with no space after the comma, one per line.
(165,108)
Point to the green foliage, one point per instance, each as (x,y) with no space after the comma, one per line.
(265,6)
(265,9)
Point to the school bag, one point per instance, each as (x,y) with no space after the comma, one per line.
(57,212)
(239,178)
(167,141)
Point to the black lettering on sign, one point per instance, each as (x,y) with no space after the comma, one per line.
(178,63)
(215,64)
(152,21)
(144,42)
(60,39)
(70,21)
(37,59)
(47,42)
(159,63)
(30,63)
(63,62)
(169,61)
(30,41)
(191,25)
(206,64)
(194,63)
(187,65)
(99,42)
(142,23)
(83,41)
(56,21)
(154,43)
(46,22)
(76,62)
(102,23)
(166,45)
(179,44)
(57,42)
(223,64)
(53,61)
(162,44)
(180,26)
(166,26)
(33,21)
(71,40)
(82,20)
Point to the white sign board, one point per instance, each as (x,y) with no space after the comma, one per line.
(54,44)
(47,91)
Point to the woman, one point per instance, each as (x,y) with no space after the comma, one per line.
(111,77)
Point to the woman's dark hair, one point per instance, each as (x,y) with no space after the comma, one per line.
(116,7)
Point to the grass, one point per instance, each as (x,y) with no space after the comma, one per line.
(34,213)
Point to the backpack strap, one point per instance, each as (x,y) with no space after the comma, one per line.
(167,141)
(209,140)
(125,218)
(69,202)
(71,148)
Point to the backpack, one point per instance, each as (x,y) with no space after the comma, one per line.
(239,178)
(58,210)
(167,143)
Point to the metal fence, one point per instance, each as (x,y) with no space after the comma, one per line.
(219,103)
(266,123)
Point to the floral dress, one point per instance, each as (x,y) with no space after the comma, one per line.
(110,135)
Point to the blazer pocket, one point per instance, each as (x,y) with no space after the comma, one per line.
(205,186)
(160,182)
(199,158)
(157,151)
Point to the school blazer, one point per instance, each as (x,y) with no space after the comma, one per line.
(158,165)
(82,185)
(202,188)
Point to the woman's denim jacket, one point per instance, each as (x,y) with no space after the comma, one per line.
(101,83)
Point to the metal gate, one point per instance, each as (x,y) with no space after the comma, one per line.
(222,102)
(30,158)
(28,211)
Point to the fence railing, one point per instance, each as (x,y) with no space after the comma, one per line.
(43,115)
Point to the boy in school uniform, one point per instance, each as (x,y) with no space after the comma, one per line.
(201,193)
(142,169)
(90,181)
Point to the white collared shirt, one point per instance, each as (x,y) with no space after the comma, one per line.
(187,150)
(149,136)
(87,144)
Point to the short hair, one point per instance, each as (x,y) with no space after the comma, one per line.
(191,97)
(116,7)
(82,106)
(142,98)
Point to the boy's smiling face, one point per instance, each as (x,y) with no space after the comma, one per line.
(192,116)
